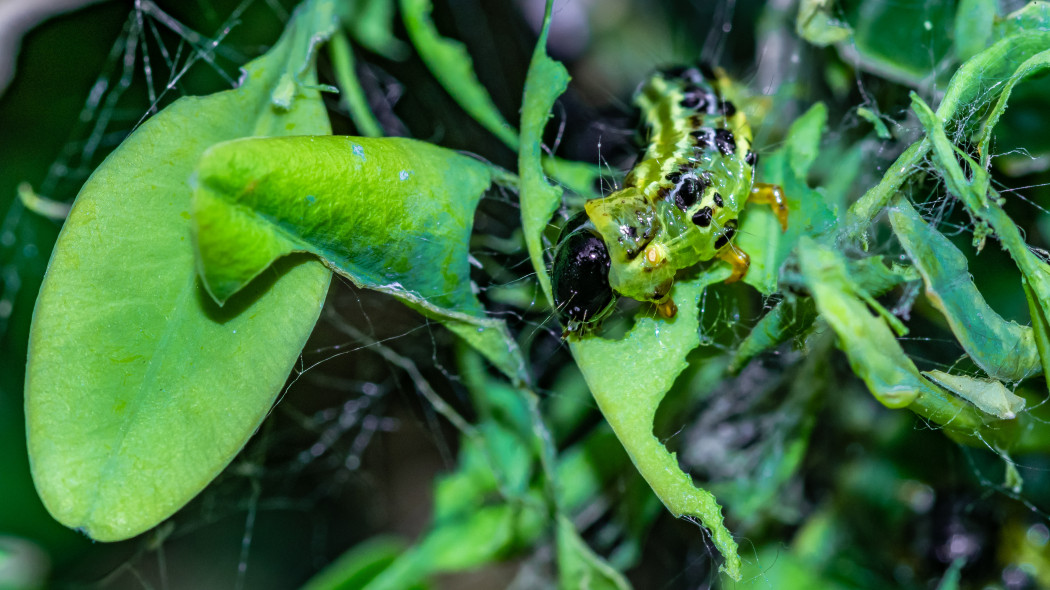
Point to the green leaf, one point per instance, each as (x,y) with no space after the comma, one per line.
(1033,16)
(358,566)
(139,389)
(786,570)
(816,24)
(42,206)
(987,394)
(870,116)
(984,203)
(390,214)
(628,379)
(450,63)
(545,82)
(876,356)
(792,316)
(1003,349)
(974,20)
(900,41)
(967,93)
(580,568)
(761,235)
(353,96)
(371,22)
(472,524)
(1040,326)
(1031,66)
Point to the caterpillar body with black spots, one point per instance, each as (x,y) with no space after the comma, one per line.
(678,206)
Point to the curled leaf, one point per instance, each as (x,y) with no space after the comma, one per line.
(390,214)
(545,82)
(1003,349)
(987,394)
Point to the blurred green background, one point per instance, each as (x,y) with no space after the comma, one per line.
(880,499)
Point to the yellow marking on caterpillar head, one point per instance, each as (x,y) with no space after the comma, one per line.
(655,254)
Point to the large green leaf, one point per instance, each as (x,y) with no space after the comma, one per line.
(139,388)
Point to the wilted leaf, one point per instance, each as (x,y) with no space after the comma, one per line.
(973,86)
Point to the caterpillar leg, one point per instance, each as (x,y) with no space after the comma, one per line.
(667,309)
(772,195)
(738,260)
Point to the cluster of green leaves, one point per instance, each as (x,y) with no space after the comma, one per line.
(228,213)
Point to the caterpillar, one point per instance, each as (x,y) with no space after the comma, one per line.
(679,205)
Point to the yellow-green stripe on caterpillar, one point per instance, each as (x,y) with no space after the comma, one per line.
(678,206)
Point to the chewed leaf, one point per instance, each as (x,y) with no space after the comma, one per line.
(545,82)
(987,394)
(139,388)
(390,214)
(1003,349)
(629,378)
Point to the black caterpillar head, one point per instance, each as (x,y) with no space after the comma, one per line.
(580,276)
